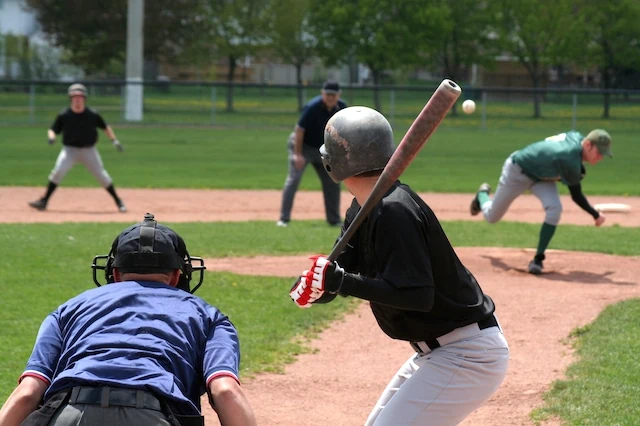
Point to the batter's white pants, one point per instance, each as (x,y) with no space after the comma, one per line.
(90,157)
(514,183)
(443,387)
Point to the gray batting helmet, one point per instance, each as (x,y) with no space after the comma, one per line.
(77,89)
(356,140)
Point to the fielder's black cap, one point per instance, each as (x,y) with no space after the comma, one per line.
(148,247)
(331,86)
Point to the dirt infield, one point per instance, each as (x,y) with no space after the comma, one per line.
(340,381)
(187,205)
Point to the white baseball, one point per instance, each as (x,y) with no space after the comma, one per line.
(468,106)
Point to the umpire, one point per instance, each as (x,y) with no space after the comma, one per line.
(303,145)
(78,124)
(141,351)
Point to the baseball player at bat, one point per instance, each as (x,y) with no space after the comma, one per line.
(538,167)
(78,125)
(401,261)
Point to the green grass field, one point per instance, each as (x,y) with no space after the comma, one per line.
(54,260)
(603,386)
(43,265)
(455,160)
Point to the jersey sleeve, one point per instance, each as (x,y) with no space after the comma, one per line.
(46,351)
(222,349)
(57,124)
(401,246)
(100,123)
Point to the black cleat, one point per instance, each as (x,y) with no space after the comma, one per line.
(40,204)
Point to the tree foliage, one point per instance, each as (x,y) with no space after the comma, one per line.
(382,34)
(235,29)
(612,40)
(94,34)
(539,33)
(466,39)
(289,37)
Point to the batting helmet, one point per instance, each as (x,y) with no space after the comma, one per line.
(147,248)
(356,140)
(77,89)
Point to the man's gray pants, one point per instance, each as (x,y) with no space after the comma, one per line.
(330,189)
(71,155)
(513,182)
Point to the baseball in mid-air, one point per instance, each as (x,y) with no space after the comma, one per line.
(468,106)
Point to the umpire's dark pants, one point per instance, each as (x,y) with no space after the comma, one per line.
(330,189)
(101,406)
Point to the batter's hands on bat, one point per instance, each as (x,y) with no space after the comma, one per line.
(302,293)
(298,161)
(326,276)
(118,145)
(600,220)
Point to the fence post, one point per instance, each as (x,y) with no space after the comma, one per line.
(32,104)
(392,106)
(484,110)
(213,105)
(575,111)
(123,101)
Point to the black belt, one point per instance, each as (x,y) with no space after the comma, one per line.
(432,344)
(106,396)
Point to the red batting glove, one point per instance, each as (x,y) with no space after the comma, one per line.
(302,294)
(325,275)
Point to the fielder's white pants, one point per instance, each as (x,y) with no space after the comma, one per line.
(90,157)
(514,183)
(443,387)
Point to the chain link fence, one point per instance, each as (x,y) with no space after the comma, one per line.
(252,105)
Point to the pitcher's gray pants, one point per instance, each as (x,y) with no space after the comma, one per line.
(330,189)
(513,183)
(90,157)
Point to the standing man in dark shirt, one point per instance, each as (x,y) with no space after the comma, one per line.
(401,261)
(78,124)
(303,146)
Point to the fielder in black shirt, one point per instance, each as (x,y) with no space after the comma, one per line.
(401,261)
(78,125)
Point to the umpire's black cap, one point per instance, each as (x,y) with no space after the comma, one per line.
(331,86)
(148,247)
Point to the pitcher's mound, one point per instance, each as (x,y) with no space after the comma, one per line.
(341,381)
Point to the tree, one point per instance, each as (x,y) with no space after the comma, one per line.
(613,41)
(289,36)
(382,34)
(95,34)
(236,28)
(466,39)
(539,33)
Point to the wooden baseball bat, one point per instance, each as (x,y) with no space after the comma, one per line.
(421,129)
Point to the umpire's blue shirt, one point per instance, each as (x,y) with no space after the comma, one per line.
(140,335)
(313,119)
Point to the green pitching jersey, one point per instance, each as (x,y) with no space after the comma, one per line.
(558,157)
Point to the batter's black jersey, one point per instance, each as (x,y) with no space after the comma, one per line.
(402,243)
(79,130)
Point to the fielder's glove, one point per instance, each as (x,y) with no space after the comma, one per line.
(118,145)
